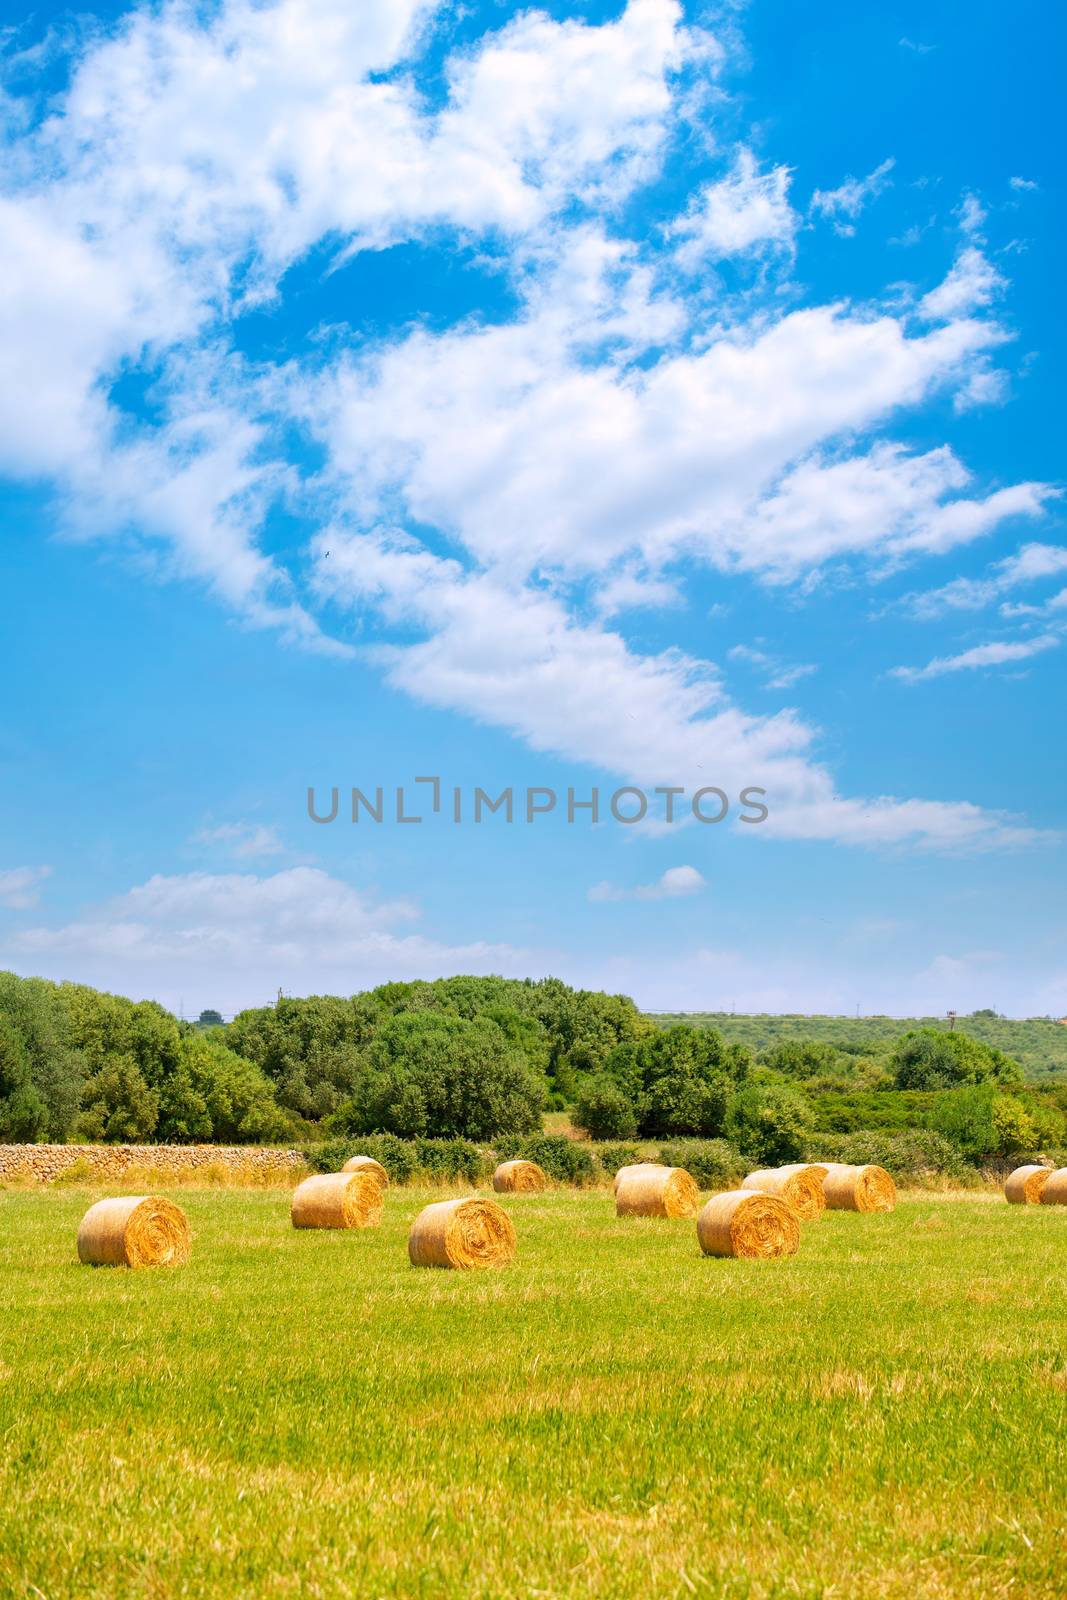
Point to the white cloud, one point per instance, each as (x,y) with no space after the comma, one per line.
(243,840)
(972,283)
(844,204)
(232,940)
(982,655)
(746,210)
(1030,564)
(776,674)
(919,49)
(674,884)
(1024,185)
(20,887)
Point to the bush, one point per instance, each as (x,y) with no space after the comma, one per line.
(908,1157)
(603,1111)
(930,1058)
(613,1156)
(563,1159)
(215,1095)
(451,1159)
(769,1123)
(714,1163)
(397,1156)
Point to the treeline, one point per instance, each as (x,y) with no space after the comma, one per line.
(482,1060)
(1039,1044)
(471,1057)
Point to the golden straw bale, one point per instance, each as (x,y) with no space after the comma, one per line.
(636,1166)
(134,1231)
(748,1222)
(657,1192)
(1054,1192)
(462,1233)
(367,1164)
(868,1188)
(1023,1186)
(519,1177)
(800,1185)
(337,1200)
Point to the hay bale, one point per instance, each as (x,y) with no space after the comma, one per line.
(649,1191)
(462,1233)
(800,1185)
(867,1188)
(1023,1186)
(367,1164)
(1054,1192)
(134,1231)
(337,1200)
(750,1223)
(520,1177)
(636,1166)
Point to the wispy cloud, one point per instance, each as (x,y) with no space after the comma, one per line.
(243,840)
(20,887)
(843,205)
(982,655)
(1030,564)
(676,883)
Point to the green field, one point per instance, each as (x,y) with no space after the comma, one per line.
(613,1415)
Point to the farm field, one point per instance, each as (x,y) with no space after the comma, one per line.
(884,1415)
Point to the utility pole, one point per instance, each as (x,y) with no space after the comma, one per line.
(951,1021)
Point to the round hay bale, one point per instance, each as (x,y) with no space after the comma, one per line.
(462,1233)
(636,1166)
(1023,1186)
(337,1200)
(520,1177)
(750,1223)
(367,1164)
(868,1188)
(1054,1192)
(650,1191)
(134,1231)
(800,1186)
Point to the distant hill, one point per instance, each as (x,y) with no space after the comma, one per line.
(1039,1044)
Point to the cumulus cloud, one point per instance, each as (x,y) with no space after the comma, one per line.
(495,490)
(674,884)
(746,210)
(231,939)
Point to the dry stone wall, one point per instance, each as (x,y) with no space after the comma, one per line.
(44,1162)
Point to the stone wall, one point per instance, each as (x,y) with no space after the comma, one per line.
(43,1162)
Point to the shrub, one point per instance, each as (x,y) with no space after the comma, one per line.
(714,1163)
(930,1058)
(909,1157)
(604,1111)
(450,1159)
(770,1123)
(563,1159)
(613,1156)
(397,1156)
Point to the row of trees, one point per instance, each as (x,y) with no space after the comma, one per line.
(481,1058)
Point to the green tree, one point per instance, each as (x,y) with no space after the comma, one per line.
(770,1123)
(433,1074)
(931,1058)
(965,1117)
(679,1080)
(36,1015)
(119,1106)
(604,1111)
(23,1113)
(215,1095)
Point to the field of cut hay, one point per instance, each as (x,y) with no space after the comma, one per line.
(882,1416)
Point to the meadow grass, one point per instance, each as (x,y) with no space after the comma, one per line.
(303,1414)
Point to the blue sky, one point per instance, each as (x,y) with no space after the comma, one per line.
(572,397)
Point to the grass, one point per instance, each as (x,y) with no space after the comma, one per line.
(614,1415)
